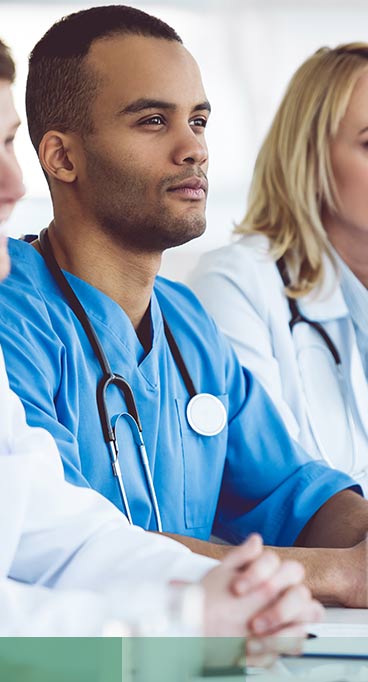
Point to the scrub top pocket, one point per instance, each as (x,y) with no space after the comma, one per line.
(203,461)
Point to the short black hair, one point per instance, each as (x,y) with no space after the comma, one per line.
(59,87)
(7,66)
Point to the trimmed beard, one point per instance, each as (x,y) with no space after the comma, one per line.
(116,197)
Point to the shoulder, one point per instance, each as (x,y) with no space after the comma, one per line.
(241,273)
(28,270)
(21,252)
(194,328)
(24,293)
(177,301)
(23,282)
(242,262)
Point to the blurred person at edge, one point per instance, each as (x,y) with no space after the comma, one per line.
(89,564)
(303,253)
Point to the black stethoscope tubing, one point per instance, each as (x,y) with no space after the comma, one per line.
(110,378)
(82,316)
(297,316)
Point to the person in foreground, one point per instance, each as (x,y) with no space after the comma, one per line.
(70,561)
(303,256)
(117,111)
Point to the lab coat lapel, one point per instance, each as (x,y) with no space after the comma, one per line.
(328,302)
(358,379)
(329,306)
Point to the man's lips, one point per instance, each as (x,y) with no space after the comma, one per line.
(190,188)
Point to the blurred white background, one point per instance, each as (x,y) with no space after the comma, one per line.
(247,51)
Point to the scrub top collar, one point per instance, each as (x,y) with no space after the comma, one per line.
(105,311)
(111,315)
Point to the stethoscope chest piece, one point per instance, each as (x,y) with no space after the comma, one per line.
(206,414)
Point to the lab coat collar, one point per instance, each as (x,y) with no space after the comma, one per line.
(328,302)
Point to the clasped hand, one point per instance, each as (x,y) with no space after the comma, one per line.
(254,594)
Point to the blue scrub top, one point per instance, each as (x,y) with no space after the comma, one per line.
(250,477)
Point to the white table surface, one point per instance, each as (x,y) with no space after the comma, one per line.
(336,615)
(303,669)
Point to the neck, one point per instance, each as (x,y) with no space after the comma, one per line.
(352,246)
(125,275)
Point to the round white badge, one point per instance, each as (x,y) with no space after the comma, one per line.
(206,414)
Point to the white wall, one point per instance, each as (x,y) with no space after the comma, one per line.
(247,51)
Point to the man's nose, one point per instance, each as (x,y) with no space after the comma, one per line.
(190,148)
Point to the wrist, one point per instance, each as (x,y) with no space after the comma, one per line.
(327,571)
(334,586)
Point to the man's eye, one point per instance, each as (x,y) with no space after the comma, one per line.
(9,141)
(153,121)
(199,122)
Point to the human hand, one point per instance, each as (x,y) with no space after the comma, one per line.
(252,593)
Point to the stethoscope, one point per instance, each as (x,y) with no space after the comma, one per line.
(297,317)
(205,413)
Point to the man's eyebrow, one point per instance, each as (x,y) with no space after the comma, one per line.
(203,106)
(142,104)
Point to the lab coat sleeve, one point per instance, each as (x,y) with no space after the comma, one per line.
(59,536)
(31,610)
(73,539)
(84,542)
(235,286)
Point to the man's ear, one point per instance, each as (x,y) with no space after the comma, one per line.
(57,154)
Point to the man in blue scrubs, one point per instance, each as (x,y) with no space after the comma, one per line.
(80,566)
(117,111)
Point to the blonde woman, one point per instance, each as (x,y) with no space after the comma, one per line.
(303,257)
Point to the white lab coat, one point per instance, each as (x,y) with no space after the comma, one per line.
(241,287)
(69,561)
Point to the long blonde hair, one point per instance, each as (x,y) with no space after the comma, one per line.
(293,179)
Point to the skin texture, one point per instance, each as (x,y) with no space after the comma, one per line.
(347,228)
(120,184)
(232,604)
(156,146)
(140,153)
(267,597)
(334,554)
